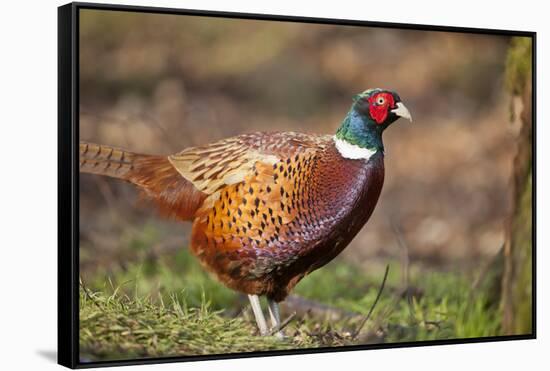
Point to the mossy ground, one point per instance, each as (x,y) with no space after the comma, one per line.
(170,306)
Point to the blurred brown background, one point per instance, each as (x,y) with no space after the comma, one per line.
(160,83)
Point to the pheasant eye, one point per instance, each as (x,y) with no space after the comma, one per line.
(380,101)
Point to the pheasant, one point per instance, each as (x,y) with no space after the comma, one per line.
(267,208)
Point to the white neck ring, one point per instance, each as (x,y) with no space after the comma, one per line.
(352,151)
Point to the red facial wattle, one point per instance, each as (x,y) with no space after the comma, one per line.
(379,106)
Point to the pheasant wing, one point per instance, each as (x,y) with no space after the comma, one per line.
(257,186)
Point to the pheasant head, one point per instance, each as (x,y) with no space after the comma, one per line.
(372,111)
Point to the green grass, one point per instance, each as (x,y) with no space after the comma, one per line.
(118,327)
(171,306)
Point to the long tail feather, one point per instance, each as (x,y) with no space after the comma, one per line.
(154,175)
(105,160)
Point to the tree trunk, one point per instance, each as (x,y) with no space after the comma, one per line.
(517,295)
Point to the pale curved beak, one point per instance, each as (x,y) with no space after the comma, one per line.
(402,111)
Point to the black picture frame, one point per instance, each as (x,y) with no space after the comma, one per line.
(68,179)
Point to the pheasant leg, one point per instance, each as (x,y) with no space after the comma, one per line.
(273,308)
(258,314)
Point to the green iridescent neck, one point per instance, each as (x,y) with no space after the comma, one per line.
(359,130)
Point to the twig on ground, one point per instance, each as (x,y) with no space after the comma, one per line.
(87,293)
(405,265)
(307,307)
(433,323)
(360,327)
(404,255)
(283,324)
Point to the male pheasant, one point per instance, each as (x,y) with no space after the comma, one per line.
(267,208)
